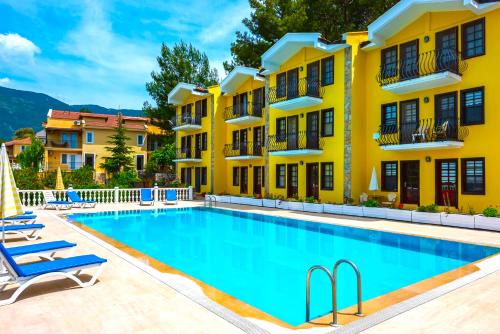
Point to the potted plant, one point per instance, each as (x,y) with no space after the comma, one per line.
(333,208)
(312,205)
(489,220)
(351,209)
(371,209)
(269,201)
(465,220)
(426,214)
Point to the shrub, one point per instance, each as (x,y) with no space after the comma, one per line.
(428,208)
(28,178)
(310,199)
(82,178)
(371,203)
(124,179)
(490,212)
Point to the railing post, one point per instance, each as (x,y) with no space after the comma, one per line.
(155,193)
(190,193)
(117,193)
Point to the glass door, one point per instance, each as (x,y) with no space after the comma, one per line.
(409,60)
(447,50)
(447,182)
(410,182)
(292,187)
(312,133)
(312,180)
(292,132)
(292,83)
(313,79)
(408,122)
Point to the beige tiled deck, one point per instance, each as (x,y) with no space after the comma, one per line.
(128,300)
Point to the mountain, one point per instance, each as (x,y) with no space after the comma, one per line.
(24,109)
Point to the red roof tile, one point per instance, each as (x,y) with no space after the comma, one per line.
(101,120)
(24,141)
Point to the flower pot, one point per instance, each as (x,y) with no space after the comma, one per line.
(333,208)
(374,212)
(296,206)
(282,204)
(486,223)
(396,214)
(426,217)
(313,207)
(352,210)
(269,203)
(451,219)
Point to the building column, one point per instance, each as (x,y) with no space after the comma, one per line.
(347,123)
(266,134)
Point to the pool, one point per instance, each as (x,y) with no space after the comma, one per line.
(263,260)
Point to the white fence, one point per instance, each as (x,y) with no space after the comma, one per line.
(34,198)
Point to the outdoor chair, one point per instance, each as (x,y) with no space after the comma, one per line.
(28,231)
(171,197)
(52,203)
(391,200)
(78,202)
(147,196)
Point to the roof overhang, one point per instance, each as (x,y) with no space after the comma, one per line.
(407,11)
(183,90)
(292,43)
(237,77)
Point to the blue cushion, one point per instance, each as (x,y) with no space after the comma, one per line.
(9,259)
(22,217)
(28,212)
(171,195)
(22,227)
(41,268)
(58,202)
(146,195)
(41,247)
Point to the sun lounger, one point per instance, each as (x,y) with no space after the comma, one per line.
(45,250)
(25,275)
(78,201)
(147,196)
(52,203)
(21,219)
(171,196)
(28,231)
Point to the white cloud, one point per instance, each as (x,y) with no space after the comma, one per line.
(220,29)
(14,45)
(4,81)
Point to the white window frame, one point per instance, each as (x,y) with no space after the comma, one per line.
(88,153)
(87,138)
(143,139)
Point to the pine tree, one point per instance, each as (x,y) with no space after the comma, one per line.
(121,154)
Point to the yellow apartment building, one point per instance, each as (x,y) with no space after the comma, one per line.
(76,139)
(15,147)
(414,97)
(198,129)
(431,86)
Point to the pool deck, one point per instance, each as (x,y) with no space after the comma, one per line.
(128,299)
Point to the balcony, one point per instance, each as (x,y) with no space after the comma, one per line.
(426,134)
(243,113)
(67,145)
(433,69)
(243,151)
(186,154)
(295,95)
(295,144)
(187,122)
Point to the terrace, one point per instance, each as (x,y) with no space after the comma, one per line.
(294,144)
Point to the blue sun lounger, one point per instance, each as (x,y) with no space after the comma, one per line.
(28,231)
(45,250)
(78,201)
(25,275)
(147,196)
(171,196)
(52,203)
(21,219)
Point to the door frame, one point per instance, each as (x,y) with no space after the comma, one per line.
(437,179)
(401,60)
(403,133)
(310,191)
(197,179)
(295,135)
(315,144)
(436,47)
(288,83)
(402,165)
(243,184)
(289,180)
(257,187)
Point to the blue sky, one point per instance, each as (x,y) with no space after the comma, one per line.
(102,52)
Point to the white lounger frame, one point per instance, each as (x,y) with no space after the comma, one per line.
(10,277)
(49,197)
(83,205)
(47,255)
(20,221)
(35,233)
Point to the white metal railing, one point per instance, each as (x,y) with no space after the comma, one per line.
(34,198)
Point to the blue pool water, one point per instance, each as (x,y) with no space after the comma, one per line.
(263,260)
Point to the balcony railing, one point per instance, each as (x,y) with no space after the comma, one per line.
(243,149)
(242,110)
(181,120)
(64,144)
(427,63)
(303,140)
(184,153)
(424,131)
(295,89)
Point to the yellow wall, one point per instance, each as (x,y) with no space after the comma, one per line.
(480,141)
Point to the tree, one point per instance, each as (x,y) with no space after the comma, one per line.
(24,133)
(121,154)
(86,110)
(162,159)
(271,19)
(182,63)
(32,156)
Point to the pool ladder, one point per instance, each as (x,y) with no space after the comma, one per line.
(210,201)
(333,281)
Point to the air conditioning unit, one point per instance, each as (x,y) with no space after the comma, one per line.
(77,122)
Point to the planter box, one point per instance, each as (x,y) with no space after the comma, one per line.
(269,203)
(252,201)
(451,219)
(487,223)
(313,207)
(426,217)
(282,205)
(296,206)
(374,212)
(236,200)
(397,214)
(352,210)
(223,199)
(333,208)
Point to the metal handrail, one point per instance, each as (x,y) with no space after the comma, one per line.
(301,140)
(358,279)
(243,148)
(308,288)
(291,90)
(188,153)
(243,109)
(211,199)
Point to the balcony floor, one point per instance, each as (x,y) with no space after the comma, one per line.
(187,160)
(244,120)
(298,103)
(245,157)
(187,127)
(423,83)
(437,145)
(292,153)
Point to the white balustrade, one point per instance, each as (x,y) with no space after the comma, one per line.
(34,198)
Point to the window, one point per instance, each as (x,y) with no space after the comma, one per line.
(281,129)
(281,85)
(23,148)
(473,182)
(327,122)
(139,162)
(280,176)
(89,159)
(183,175)
(389,176)
(472,106)
(236,140)
(327,71)
(204,176)
(389,62)
(473,39)
(89,137)
(64,158)
(204,108)
(236,176)
(140,140)
(204,141)
(389,118)
(327,176)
